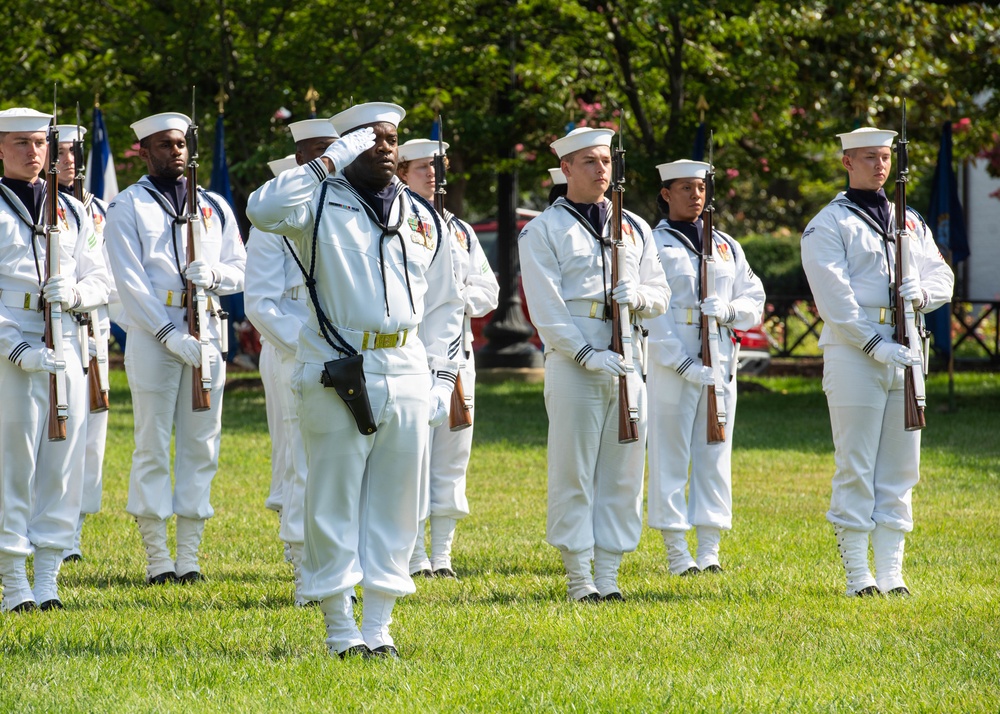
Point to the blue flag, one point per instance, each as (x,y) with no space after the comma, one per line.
(699,143)
(220,170)
(101,178)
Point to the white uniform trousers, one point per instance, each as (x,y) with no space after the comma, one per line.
(161,399)
(594,483)
(449,458)
(41,481)
(273,400)
(293,487)
(93,476)
(678,425)
(877,462)
(361,503)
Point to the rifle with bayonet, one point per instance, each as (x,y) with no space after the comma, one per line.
(58,401)
(709,325)
(914,396)
(460,411)
(197,300)
(96,367)
(621,324)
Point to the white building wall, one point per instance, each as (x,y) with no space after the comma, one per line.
(983,222)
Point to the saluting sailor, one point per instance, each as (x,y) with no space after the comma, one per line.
(383,299)
(679,382)
(278,306)
(848,253)
(146,244)
(594,483)
(97,422)
(41,482)
(449,450)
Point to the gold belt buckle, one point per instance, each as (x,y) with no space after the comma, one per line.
(383,341)
(690,316)
(593,310)
(27,301)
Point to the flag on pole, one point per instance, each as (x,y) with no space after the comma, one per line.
(101,178)
(947,222)
(220,169)
(699,143)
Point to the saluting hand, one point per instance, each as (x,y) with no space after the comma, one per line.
(346,149)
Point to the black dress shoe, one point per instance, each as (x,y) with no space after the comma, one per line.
(901,591)
(425,573)
(73,558)
(445,573)
(613,597)
(53,604)
(870,591)
(162,579)
(713,568)
(589,597)
(26,606)
(361,651)
(385,652)
(693,570)
(192,577)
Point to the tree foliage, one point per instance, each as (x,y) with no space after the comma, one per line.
(781,80)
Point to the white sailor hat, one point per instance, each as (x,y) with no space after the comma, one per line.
(312,129)
(558,177)
(67,132)
(161,122)
(582,138)
(368,113)
(866,136)
(281,165)
(684,168)
(23,119)
(419,149)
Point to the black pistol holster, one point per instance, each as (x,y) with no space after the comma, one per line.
(347,376)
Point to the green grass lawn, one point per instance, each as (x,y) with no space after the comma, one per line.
(773,633)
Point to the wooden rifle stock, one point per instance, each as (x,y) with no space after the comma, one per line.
(201,379)
(58,404)
(914,398)
(459,411)
(716,406)
(97,383)
(621,325)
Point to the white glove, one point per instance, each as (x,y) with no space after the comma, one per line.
(61,288)
(347,148)
(910,290)
(895,355)
(184,346)
(40,359)
(719,309)
(699,374)
(201,274)
(440,403)
(92,346)
(605,361)
(626,293)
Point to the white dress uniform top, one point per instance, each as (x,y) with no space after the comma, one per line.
(40,481)
(594,483)
(278,305)
(147,250)
(389,292)
(849,260)
(450,450)
(678,407)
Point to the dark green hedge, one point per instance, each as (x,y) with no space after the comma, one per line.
(775,258)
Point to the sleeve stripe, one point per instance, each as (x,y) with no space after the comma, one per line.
(165,331)
(319,169)
(872,344)
(685,366)
(583,353)
(18,351)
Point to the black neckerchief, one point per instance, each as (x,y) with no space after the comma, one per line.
(173,189)
(379,201)
(32,195)
(596,214)
(691,231)
(875,204)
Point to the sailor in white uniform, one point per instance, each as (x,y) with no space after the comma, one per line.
(594,482)
(41,481)
(679,382)
(278,305)
(449,450)
(848,253)
(383,299)
(146,243)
